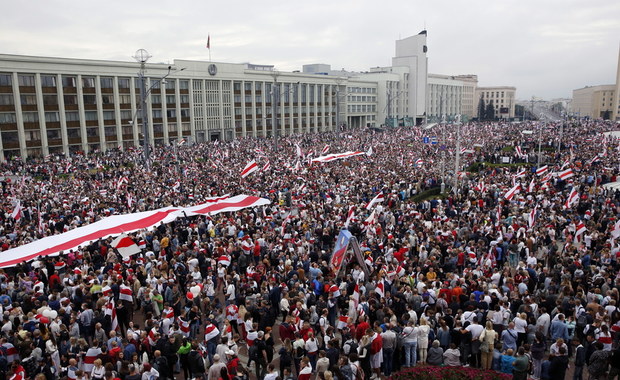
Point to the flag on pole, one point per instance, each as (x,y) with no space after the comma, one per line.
(530,188)
(512,192)
(580,228)
(17,212)
(250,168)
(266,167)
(566,174)
(542,170)
(532,218)
(350,216)
(572,198)
(209,42)
(375,200)
(325,150)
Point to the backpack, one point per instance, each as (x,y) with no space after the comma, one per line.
(352,347)
(582,318)
(359,372)
(300,352)
(431,335)
(253,352)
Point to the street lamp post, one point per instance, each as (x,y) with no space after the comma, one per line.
(142,56)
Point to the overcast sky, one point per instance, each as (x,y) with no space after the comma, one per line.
(545,48)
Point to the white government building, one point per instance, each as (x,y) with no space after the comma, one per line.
(64,105)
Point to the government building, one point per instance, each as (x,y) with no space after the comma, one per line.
(64,105)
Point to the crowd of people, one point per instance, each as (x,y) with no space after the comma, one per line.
(513,268)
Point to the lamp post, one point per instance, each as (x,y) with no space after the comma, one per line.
(458,153)
(142,56)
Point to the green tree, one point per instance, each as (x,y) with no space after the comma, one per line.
(481,112)
(490,111)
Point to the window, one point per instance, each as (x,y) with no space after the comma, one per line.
(156,83)
(70,99)
(90,99)
(7,118)
(6,80)
(50,100)
(106,82)
(184,112)
(237,86)
(156,114)
(6,100)
(108,115)
(124,99)
(171,113)
(48,81)
(72,116)
(107,99)
(257,86)
(125,114)
(53,134)
(52,117)
(26,80)
(170,84)
(88,82)
(110,131)
(9,137)
(28,100)
(73,133)
(68,81)
(171,99)
(247,86)
(156,99)
(90,115)
(31,117)
(184,84)
(123,82)
(92,132)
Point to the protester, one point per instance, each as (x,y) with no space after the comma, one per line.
(527,248)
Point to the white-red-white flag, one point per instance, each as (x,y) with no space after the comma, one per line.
(250,168)
(530,188)
(110,309)
(325,149)
(125,246)
(542,170)
(573,197)
(350,216)
(17,212)
(266,167)
(532,217)
(512,192)
(566,174)
(378,198)
(380,289)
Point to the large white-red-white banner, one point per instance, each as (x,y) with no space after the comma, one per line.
(119,224)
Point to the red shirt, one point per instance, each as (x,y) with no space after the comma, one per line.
(361,330)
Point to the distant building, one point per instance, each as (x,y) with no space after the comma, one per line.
(594,101)
(502,98)
(451,96)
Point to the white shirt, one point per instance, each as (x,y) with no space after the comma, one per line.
(520,325)
(475,330)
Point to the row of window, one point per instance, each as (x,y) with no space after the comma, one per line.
(362,90)
(31,99)
(361,108)
(28,80)
(52,117)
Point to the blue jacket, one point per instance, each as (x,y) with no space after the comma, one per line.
(559,330)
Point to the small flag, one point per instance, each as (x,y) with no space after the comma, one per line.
(542,170)
(532,217)
(325,149)
(224,260)
(17,212)
(209,42)
(250,168)
(375,200)
(566,174)
(125,246)
(512,192)
(572,198)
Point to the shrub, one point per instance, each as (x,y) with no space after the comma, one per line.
(448,373)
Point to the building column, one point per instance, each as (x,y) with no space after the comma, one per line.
(117,114)
(41,111)
(21,133)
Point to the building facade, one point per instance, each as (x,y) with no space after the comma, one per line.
(501,97)
(616,101)
(60,105)
(594,101)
